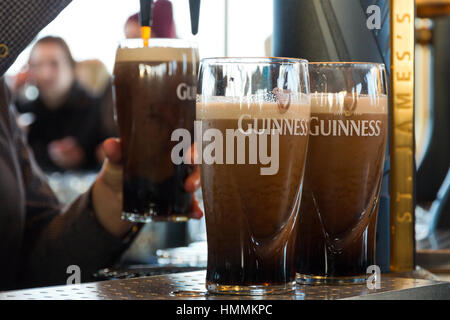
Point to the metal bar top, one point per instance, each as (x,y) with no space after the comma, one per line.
(191,285)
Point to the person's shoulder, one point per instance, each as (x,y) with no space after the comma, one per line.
(82,98)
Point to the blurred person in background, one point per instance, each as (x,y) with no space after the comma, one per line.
(94,77)
(67,119)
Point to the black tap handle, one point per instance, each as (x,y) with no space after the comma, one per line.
(194,7)
(145,15)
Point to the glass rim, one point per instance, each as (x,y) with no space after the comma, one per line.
(137,43)
(347,64)
(253,60)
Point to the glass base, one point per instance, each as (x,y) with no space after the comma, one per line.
(256,290)
(148,217)
(317,280)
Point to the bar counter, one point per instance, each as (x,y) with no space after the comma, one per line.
(191,286)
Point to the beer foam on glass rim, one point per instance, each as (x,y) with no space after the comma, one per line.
(157,50)
(233,108)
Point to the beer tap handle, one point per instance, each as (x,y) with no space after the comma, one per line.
(194,7)
(145,18)
(145,14)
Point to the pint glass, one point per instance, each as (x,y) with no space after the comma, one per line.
(338,213)
(155,92)
(254,115)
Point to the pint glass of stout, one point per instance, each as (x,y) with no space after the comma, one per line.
(155,92)
(254,115)
(338,212)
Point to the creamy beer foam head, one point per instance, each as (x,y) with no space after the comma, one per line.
(341,103)
(229,108)
(157,51)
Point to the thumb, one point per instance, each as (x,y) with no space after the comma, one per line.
(111,176)
(113,152)
(111,173)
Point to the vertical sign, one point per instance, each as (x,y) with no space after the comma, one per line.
(402,136)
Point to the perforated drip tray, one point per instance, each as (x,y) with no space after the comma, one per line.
(191,285)
(138,271)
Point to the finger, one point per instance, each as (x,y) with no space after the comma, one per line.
(112,150)
(193,182)
(196,211)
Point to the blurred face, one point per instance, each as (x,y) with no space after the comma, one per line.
(51,71)
(132,30)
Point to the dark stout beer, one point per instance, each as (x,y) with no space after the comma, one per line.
(251,218)
(336,236)
(155,95)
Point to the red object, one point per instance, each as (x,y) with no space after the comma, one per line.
(163,25)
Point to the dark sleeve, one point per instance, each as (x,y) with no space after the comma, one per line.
(20,22)
(57,237)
